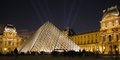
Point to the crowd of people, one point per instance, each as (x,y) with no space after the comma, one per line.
(54,53)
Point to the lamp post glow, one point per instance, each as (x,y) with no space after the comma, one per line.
(97,49)
(5,49)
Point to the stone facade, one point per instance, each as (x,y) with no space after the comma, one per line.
(9,40)
(107,39)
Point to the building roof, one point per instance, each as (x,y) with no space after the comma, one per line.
(9,28)
(111,11)
(88,32)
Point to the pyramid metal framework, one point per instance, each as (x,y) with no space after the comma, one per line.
(48,38)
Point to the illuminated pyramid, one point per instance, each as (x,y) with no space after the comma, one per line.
(48,38)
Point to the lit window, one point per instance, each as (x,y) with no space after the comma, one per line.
(103,25)
(110,24)
(85,48)
(89,48)
(117,22)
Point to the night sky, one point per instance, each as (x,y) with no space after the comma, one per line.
(80,15)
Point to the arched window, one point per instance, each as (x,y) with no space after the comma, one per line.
(110,38)
(117,23)
(110,24)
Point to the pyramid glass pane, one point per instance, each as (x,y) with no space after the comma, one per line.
(48,38)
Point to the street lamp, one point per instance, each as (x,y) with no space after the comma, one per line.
(5,49)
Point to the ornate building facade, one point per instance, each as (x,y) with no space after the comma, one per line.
(9,40)
(87,41)
(110,30)
(107,39)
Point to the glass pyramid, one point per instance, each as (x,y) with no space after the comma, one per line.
(48,38)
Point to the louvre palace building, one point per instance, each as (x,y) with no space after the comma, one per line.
(9,40)
(107,39)
(49,38)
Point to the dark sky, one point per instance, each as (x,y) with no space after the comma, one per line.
(80,15)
